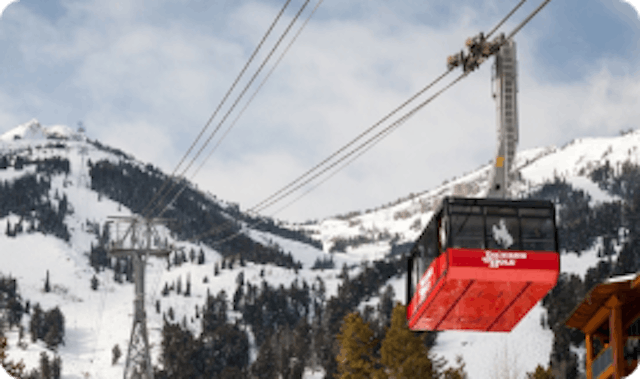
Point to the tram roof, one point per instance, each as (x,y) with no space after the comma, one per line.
(465,201)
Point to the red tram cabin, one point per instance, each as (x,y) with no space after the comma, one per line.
(482,264)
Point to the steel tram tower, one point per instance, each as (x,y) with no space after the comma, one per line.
(138,238)
(505,88)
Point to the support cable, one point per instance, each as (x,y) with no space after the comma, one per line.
(215,113)
(278,196)
(362,148)
(235,103)
(505,18)
(264,80)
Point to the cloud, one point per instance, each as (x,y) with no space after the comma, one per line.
(4,4)
(635,4)
(145,76)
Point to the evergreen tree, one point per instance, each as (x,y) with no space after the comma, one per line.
(402,352)
(356,360)
(94,283)
(265,365)
(540,373)
(45,366)
(54,334)
(115,354)
(201,257)
(457,372)
(56,367)
(47,286)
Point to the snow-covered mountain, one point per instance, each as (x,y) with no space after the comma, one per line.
(32,131)
(97,320)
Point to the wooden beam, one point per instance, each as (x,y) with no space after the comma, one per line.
(594,323)
(617,339)
(588,341)
(636,282)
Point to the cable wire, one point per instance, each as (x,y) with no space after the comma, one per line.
(353,141)
(526,20)
(264,80)
(235,103)
(373,140)
(505,18)
(362,148)
(278,196)
(224,99)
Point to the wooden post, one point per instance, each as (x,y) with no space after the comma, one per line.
(616,338)
(588,340)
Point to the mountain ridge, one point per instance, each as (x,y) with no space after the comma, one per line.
(360,244)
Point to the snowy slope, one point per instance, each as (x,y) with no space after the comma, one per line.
(97,320)
(487,354)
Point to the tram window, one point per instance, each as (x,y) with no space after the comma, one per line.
(537,234)
(443,232)
(414,274)
(467,231)
(535,212)
(494,210)
(466,209)
(503,233)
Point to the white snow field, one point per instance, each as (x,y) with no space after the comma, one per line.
(98,320)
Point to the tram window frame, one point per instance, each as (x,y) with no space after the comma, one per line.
(547,240)
(423,253)
(519,214)
(470,222)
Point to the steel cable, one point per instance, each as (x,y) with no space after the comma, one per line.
(276,197)
(215,113)
(235,103)
(262,83)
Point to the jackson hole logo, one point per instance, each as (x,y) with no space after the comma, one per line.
(501,234)
(425,284)
(496,259)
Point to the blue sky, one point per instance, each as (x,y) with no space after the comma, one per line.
(146,75)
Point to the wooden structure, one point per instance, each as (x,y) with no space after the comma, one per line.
(609,317)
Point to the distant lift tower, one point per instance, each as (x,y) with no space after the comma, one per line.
(505,88)
(138,238)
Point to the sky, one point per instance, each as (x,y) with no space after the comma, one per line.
(145,76)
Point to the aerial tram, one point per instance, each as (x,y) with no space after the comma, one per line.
(482,263)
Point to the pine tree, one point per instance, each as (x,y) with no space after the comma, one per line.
(94,283)
(402,352)
(540,373)
(47,287)
(457,372)
(54,321)
(56,367)
(265,365)
(356,360)
(45,366)
(187,291)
